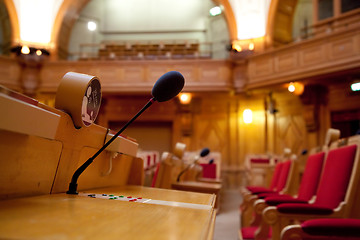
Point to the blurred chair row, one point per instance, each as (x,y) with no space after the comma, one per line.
(195,173)
(149,51)
(325,204)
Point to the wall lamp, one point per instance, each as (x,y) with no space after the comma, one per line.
(247,116)
(185,98)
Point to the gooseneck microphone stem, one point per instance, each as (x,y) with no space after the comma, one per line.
(183,171)
(73,183)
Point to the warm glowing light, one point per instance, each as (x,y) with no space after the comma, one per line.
(296,88)
(355,86)
(215,11)
(251,17)
(36,18)
(247,116)
(185,98)
(38,52)
(25,50)
(251,46)
(91,26)
(237,47)
(291,87)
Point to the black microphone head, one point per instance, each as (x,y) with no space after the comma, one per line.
(211,161)
(168,86)
(204,152)
(304,152)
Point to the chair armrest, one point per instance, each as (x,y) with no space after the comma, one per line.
(279,220)
(293,232)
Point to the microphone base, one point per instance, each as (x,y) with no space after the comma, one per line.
(72,189)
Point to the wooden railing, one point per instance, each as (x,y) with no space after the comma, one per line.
(143,50)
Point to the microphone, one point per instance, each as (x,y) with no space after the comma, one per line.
(204,152)
(165,88)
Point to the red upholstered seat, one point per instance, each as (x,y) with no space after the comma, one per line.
(308,185)
(273,184)
(260,160)
(283,177)
(333,184)
(209,170)
(307,189)
(276,200)
(278,181)
(304,208)
(249,232)
(332,227)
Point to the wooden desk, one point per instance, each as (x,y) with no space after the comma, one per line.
(210,180)
(200,187)
(36,165)
(62,216)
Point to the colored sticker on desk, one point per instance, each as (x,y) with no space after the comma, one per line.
(146,200)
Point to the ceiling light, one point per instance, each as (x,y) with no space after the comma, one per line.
(355,87)
(215,11)
(91,26)
(25,49)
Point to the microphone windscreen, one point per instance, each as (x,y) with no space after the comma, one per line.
(168,86)
(204,152)
(211,161)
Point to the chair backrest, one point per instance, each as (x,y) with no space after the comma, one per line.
(284,175)
(163,173)
(179,150)
(332,135)
(156,173)
(276,175)
(209,170)
(352,197)
(311,176)
(336,176)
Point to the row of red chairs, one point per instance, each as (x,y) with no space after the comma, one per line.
(325,205)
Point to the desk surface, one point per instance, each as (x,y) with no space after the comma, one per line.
(194,185)
(62,216)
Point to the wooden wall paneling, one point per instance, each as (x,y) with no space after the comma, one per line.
(341,97)
(290,126)
(140,76)
(10,72)
(285,61)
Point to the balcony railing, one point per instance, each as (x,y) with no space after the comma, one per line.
(143,50)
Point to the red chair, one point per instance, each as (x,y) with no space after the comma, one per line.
(332,198)
(208,170)
(325,228)
(273,183)
(307,189)
(281,176)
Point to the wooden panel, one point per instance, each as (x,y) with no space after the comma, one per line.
(343,48)
(27,164)
(9,73)
(335,52)
(261,67)
(78,146)
(285,61)
(128,76)
(312,55)
(102,172)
